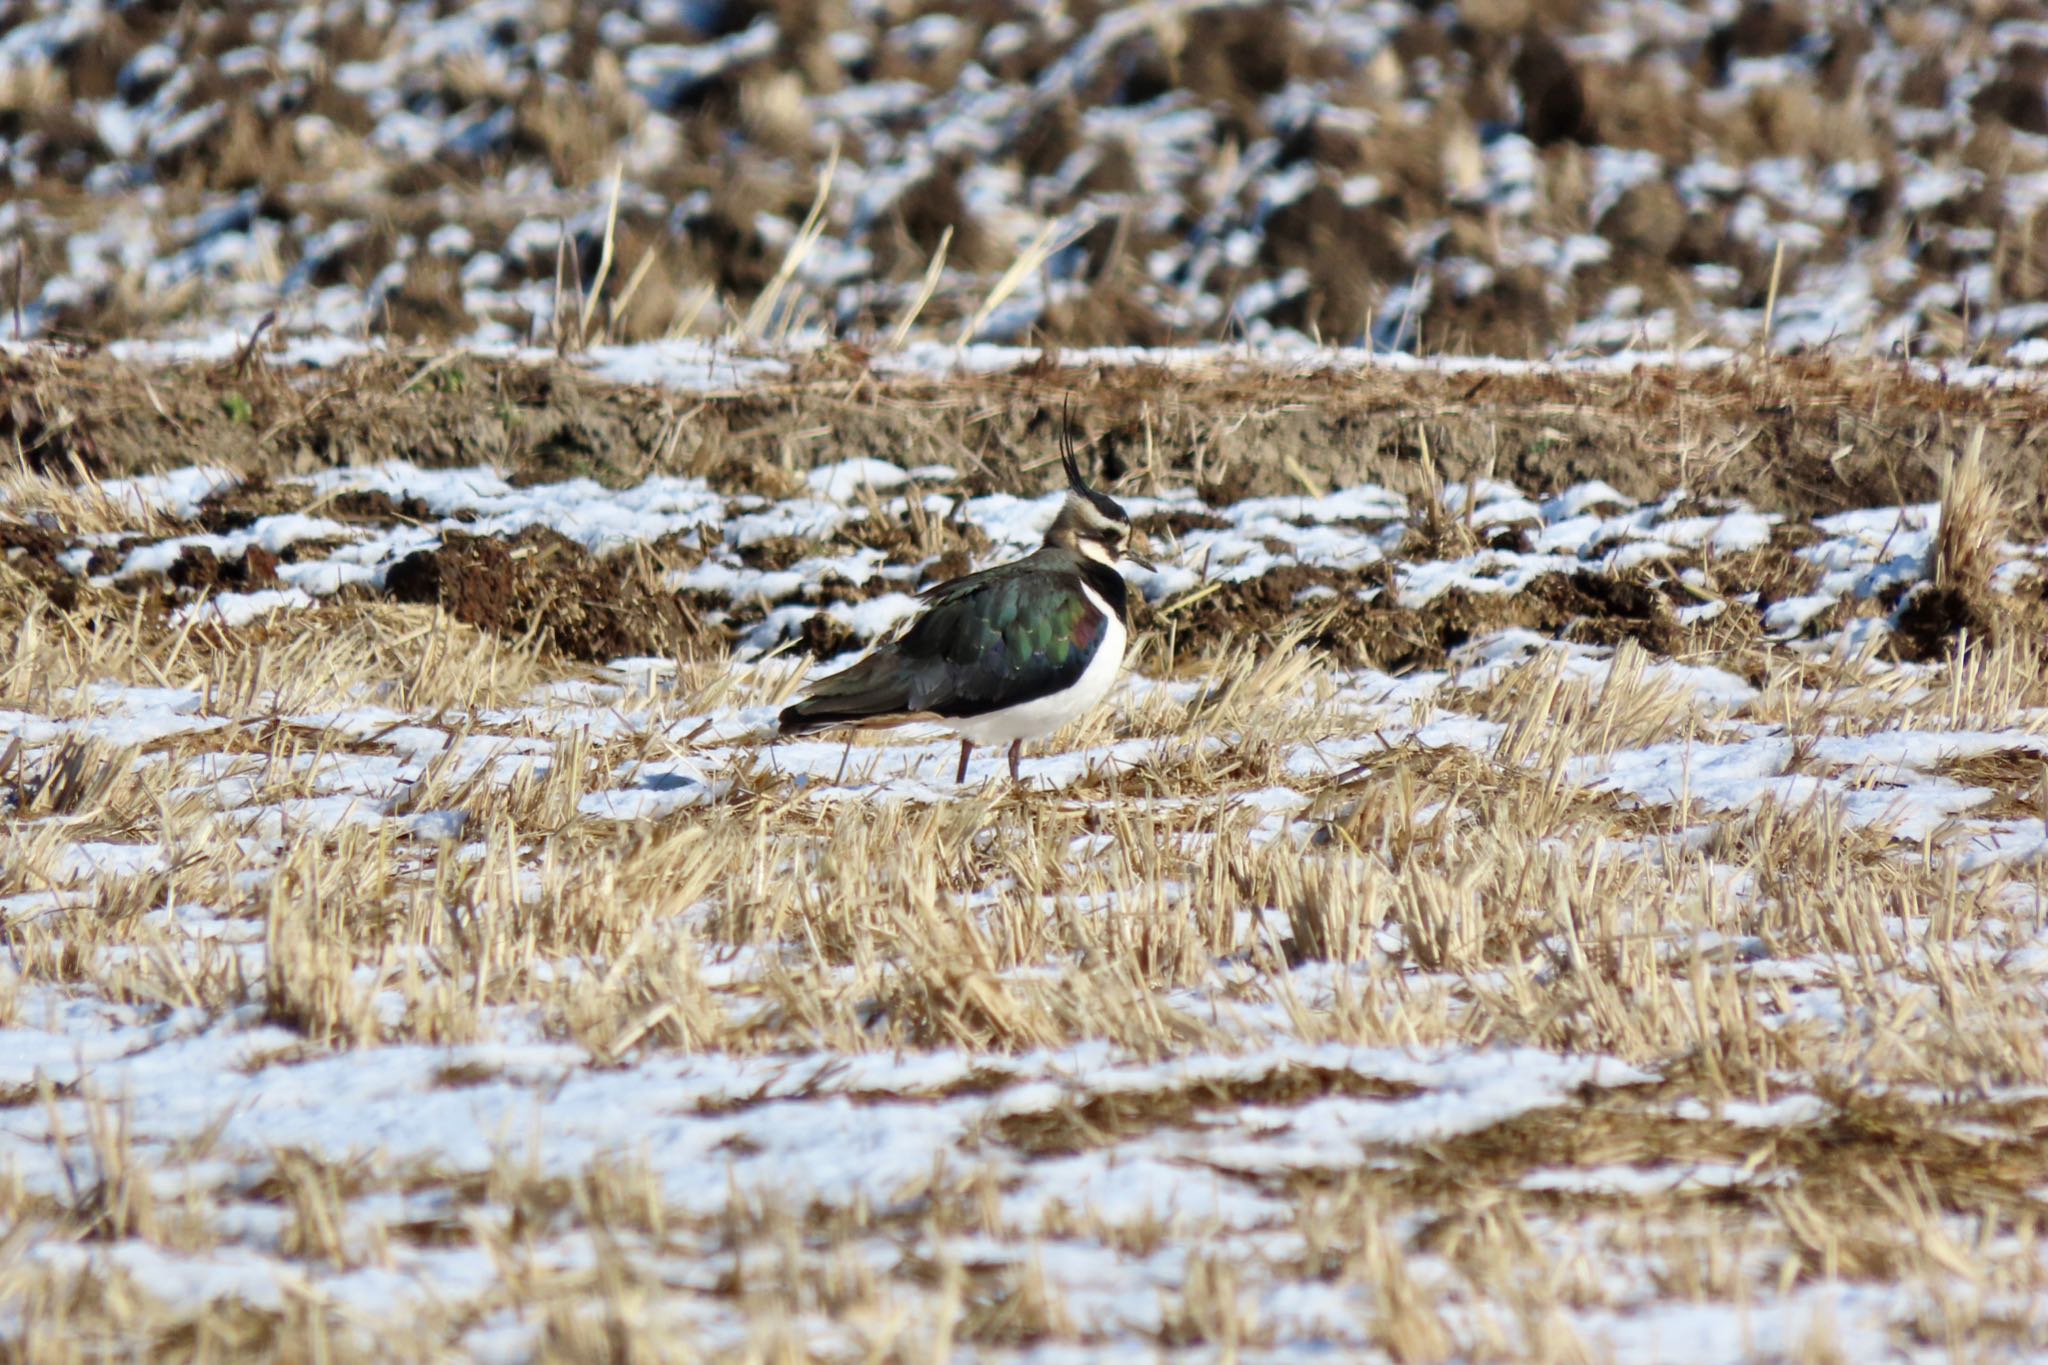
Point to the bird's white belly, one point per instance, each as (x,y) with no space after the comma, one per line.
(1037,719)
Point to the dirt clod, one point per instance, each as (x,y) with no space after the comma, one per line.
(200,569)
(1933,620)
(543,586)
(824,636)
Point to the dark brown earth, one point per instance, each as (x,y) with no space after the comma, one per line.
(1802,438)
(1935,620)
(200,569)
(1585,607)
(303,144)
(31,552)
(543,587)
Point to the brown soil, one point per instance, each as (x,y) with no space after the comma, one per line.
(1411,116)
(31,552)
(427,306)
(1552,92)
(50,438)
(20,542)
(1583,606)
(199,569)
(1111,1116)
(1808,437)
(544,587)
(1774,572)
(1933,621)
(822,637)
(239,506)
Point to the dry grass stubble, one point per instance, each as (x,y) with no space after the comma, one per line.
(1429,899)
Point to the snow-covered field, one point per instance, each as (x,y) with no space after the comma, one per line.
(1496,923)
(1562,877)
(1512,177)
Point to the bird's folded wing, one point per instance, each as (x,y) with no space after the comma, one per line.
(994,639)
(998,639)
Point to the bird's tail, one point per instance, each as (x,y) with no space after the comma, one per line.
(806,716)
(866,692)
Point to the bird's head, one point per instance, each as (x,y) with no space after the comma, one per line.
(1092,525)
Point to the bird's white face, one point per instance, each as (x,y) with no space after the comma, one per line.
(1091,523)
(1098,551)
(1101,529)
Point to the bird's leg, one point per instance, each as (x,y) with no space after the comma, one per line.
(1016,752)
(844,755)
(966,748)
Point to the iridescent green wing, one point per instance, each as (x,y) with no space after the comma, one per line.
(994,639)
(1008,635)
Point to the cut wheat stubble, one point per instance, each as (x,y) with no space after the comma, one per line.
(1562,956)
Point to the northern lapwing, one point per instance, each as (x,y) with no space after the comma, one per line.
(1011,653)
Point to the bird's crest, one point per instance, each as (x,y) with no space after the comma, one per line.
(1067,458)
(1088,520)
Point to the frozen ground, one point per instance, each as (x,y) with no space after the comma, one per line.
(1648,967)
(1587,904)
(1519,177)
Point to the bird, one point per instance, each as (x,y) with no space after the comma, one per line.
(1011,653)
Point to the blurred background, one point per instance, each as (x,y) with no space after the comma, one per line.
(1504,177)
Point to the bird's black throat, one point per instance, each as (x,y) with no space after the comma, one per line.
(1107,584)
